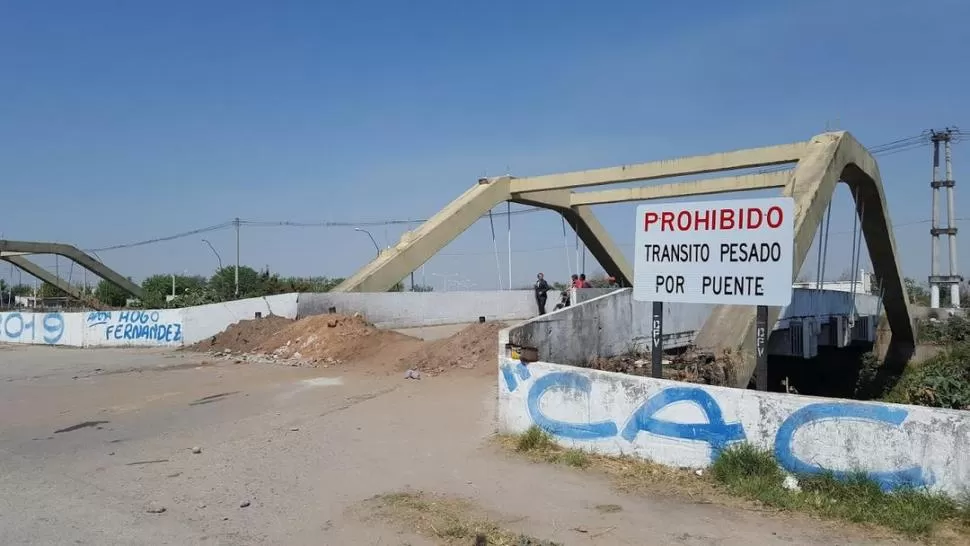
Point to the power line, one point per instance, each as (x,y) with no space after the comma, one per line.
(262,223)
(888,148)
(184,234)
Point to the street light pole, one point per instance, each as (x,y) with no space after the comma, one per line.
(236,221)
(214,251)
(371,239)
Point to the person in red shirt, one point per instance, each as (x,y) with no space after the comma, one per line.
(583,283)
(576,283)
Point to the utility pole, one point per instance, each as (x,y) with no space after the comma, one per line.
(236,222)
(953,279)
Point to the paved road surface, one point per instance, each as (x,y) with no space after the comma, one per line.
(89,438)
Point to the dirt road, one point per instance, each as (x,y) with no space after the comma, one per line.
(91,440)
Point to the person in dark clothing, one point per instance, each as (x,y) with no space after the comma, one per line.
(541,288)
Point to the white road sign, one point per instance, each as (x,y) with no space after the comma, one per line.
(736,252)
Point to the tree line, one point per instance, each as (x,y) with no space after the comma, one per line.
(168,291)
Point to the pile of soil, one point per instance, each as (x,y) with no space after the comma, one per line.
(244,336)
(336,338)
(330,340)
(691,366)
(473,348)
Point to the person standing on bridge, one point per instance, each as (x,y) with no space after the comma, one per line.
(541,288)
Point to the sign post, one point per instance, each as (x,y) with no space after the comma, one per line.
(761,348)
(656,336)
(733,252)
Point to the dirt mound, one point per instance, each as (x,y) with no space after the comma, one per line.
(244,336)
(337,338)
(474,347)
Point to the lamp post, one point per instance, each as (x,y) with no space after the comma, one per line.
(214,251)
(371,239)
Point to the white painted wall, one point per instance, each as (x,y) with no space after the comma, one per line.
(41,328)
(131,328)
(684,425)
(137,327)
(205,321)
(412,309)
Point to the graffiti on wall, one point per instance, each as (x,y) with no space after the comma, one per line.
(19,327)
(135,326)
(715,432)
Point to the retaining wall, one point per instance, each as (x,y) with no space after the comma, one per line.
(614,323)
(685,425)
(411,309)
(175,327)
(138,327)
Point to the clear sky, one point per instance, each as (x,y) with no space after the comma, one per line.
(124,121)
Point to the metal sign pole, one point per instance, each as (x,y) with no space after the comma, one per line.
(657,346)
(761,348)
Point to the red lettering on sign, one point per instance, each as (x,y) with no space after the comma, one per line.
(715,219)
(775,216)
(666,221)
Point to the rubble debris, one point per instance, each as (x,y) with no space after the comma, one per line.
(196,450)
(155,508)
(412,374)
(337,340)
(691,366)
(243,336)
(244,504)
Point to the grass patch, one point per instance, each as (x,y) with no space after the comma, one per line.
(448,521)
(628,473)
(752,473)
(534,439)
(743,471)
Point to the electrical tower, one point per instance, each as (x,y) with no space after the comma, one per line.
(953,279)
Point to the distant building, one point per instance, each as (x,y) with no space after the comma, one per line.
(863,284)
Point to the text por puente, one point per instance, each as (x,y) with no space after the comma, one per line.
(701,252)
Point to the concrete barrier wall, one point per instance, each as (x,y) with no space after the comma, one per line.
(175,327)
(614,323)
(205,321)
(42,328)
(132,328)
(138,327)
(685,425)
(411,309)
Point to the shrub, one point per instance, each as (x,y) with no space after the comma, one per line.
(943,381)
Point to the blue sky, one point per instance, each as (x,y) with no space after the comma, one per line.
(124,121)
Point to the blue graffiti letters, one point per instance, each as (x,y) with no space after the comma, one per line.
(15,324)
(168,333)
(578,431)
(825,411)
(138,317)
(96,318)
(53,328)
(715,431)
(23,327)
(520,369)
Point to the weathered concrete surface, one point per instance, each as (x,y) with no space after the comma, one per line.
(686,425)
(413,309)
(614,323)
(828,158)
(418,246)
(551,191)
(357,436)
(138,327)
(74,254)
